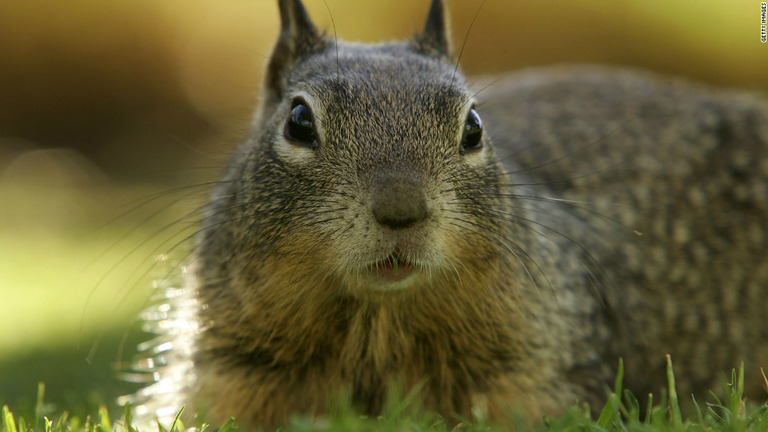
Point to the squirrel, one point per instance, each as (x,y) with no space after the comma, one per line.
(502,243)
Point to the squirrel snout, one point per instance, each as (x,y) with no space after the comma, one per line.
(398,201)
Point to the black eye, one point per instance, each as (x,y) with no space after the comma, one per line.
(300,126)
(473,133)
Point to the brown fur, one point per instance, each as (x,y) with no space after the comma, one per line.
(609,214)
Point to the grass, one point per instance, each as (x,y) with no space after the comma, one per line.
(622,412)
(76,266)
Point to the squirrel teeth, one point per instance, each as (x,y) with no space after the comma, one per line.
(393,269)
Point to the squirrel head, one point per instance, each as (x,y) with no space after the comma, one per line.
(367,166)
(299,38)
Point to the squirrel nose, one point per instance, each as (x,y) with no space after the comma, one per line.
(398,202)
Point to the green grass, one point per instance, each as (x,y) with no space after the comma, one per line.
(65,268)
(77,263)
(622,412)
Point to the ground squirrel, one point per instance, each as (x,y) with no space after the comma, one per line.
(503,244)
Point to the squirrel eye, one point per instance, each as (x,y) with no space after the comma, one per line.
(300,126)
(473,133)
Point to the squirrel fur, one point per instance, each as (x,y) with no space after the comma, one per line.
(503,243)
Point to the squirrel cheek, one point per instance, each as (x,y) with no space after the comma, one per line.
(293,154)
(476,158)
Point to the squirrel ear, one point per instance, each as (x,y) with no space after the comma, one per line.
(436,36)
(294,22)
(297,37)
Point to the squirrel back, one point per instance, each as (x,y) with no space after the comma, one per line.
(671,179)
(386,223)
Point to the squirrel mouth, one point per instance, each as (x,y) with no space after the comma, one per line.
(393,268)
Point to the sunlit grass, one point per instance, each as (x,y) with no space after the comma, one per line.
(60,274)
(77,262)
(622,412)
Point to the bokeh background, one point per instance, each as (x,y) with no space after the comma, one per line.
(115,114)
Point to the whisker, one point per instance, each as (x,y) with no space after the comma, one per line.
(518,252)
(146,219)
(335,37)
(527,224)
(466,39)
(312,249)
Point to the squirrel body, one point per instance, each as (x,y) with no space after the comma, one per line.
(502,246)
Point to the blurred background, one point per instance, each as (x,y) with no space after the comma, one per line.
(115,114)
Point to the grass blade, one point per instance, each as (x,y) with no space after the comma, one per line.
(9,425)
(677,417)
(104,424)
